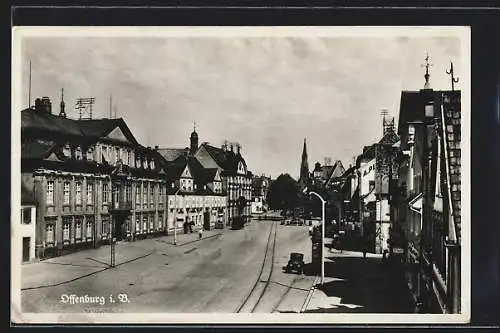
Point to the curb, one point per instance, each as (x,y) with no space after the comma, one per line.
(309,295)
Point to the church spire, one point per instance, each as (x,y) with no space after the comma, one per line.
(304,166)
(62,113)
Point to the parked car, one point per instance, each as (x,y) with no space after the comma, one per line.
(295,263)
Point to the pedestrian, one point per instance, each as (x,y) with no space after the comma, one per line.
(364,245)
(200,233)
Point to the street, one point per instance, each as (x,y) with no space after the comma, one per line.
(227,271)
(216,274)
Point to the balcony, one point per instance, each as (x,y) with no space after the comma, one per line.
(120,205)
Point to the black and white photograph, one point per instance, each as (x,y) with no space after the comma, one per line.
(240,175)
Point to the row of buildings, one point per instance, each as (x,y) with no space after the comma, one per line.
(405,194)
(86,181)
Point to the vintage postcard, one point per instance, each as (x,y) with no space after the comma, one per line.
(241,175)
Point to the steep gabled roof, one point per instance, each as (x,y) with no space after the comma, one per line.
(170,154)
(227,160)
(36,149)
(100,128)
(390,138)
(410,109)
(32,120)
(94,129)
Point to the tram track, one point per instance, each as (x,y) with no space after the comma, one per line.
(264,276)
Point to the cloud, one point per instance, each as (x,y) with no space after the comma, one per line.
(266,93)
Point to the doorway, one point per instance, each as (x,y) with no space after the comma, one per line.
(118,227)
(206,220)
(26,249)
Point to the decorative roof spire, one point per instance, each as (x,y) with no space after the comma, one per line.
(427,75)
(453,79)
(62,113)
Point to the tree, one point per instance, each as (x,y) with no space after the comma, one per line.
(284,193)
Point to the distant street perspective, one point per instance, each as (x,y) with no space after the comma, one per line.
(174,175)
(226,271)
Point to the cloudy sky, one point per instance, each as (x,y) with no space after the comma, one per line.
(268,94)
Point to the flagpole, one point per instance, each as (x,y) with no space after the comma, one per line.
(29,89)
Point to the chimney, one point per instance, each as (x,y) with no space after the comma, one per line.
(43,105)
(156,148)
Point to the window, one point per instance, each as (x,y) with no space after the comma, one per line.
(128,193)
(160,220)
(138,194)
(117,154)
(90,192)
(152,164)
(78,153)
(66,193)
(66,230)
(138,224)
(50,192)
(105,193)
(90,227)
(152,193)
(105,153)
(145,223)
(78,190)
(78,229)
(26,215)
(49,234)
(67,151)
(429,110)
(127,157)
(105,225)
(145,193)
(89,154)
(151,222)
(371,185)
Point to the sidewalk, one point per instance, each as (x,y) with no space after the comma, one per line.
(354,284)
(79,264)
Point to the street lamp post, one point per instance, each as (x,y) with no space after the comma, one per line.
(175,216)
(322,235)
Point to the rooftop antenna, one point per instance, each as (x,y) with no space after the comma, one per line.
(84,107)
(194,126)
(453,79)
(29,88)
(384,113)
(427,75)
(115,108)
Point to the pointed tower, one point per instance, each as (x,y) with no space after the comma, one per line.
(62,112)
(427,64)
(194,140)
(304,168)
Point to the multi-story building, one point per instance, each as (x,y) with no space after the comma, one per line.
(28,225)
(195,194)
(223,163)
(67,168)
(236,179)
(376,174)
(429,208)
(260,187)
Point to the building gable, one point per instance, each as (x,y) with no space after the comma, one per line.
(241,168)
(217,177)
(117,135)
(186,173)
(53,157)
